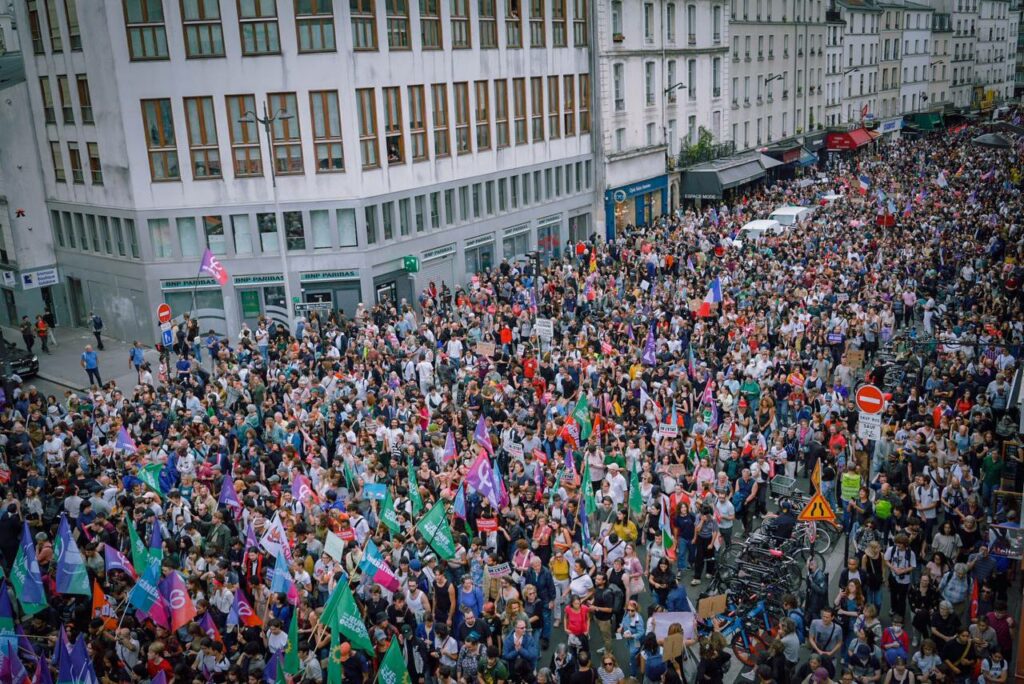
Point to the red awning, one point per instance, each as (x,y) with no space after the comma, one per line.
(850,140)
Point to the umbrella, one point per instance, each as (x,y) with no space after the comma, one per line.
(1006,127)
(992,140)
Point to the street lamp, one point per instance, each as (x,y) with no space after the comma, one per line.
(674,86)
(266,121)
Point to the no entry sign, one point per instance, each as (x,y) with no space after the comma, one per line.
(870,399)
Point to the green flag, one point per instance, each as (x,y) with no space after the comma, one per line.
(140,553)
(350,622)
(292,664)
(589,500)
(414,492)
(388,514)
(329,617)
(350,478)
(334,659)
(150,476)
(434,528)
(581,414)
(392,667)
(636,499)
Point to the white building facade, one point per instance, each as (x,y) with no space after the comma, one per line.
(916,57)
(834,65)
(861,59)
(996,54)
(662,73)
(456,134)
(891,39)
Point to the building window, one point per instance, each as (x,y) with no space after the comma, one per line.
(463,145)
(537,111)
(368,127)
(519,104)
(294,233)
(648,22)
(418,123)
(241,232)
(188,237)
(160,236)
(364,24)
(49,115)
(245,142)
(387,211)
(285,134)
(430,24)
(716,77)
(501,112)
(435,209)
(618,87)
(691,78)
(483,116)
(34,29)
(347,234)
(670,22)
(163,152)
(204,36)
(144,21)
(323,108)
(691,24)
(488,24)
(513,24)
(617,20)
(56,44)
(133,237)
(314,21)
(267,226)
(84,98)
(569,100)
(554,125)
(421,213)
(537,23)
(80,229)
(393,138)
(559,36)
(202,138)
(461,34)
(66,108)
(403,217)
(398,24)
(670,79)
(58,162)
(584,103)
(257,22)
(439,104)
(74,30)
(579,23)
(370,215)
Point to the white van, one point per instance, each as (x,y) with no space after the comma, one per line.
(755,230)
(791,215)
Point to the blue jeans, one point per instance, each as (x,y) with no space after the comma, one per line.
(683,547)
(873,596)
(545,631)
(828,490)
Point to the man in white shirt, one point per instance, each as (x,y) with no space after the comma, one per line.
(616,482)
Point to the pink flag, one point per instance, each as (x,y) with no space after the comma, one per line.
(302,489)
(212,267)
(481,478)
(450,452)
(482,437)
(175,594)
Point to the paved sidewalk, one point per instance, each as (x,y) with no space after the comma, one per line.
(62,366)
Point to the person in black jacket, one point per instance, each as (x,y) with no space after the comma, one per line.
(712,666)
(541,577)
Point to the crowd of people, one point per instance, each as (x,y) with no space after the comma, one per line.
(494,500)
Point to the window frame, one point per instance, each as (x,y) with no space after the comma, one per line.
(259,19)
(67,107)
(513,24)
(74,27)
(57,160)
(393,124)
(49,112)
(461,24)
(568,105)
(95,165)
(366,102)
(418,139)
(559,24)
(554,108)
(431,17)
(580,17)
(281,136)
(313,22)
(501,114)
(397,26)
(35,28)
(460,91)
(53,25)
(201,147)
(488,18)
(363,19)
(536,108)
(157,28)
(583,104)
(329,137)
(538,37)
(482,114)
(211,26)
(441,120)
(169,149)
(522,135)
(251,141)
(84,99)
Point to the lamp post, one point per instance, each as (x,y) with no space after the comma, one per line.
(266,121)
(664,107)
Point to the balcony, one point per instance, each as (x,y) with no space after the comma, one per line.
(716,92)
(618,38)
(746,57)
(746,102)
(700,154)
(785,94)
(760,56)
(771,54)
(735,103)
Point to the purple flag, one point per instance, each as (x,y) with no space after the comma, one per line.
(650,354)
(42,675)
(12,669)
(212,267)
(115,560)
(459,505)
(228,495)
(160,678)
(302,489)
(124,442)
(481,478)
(482,437)
(250,541)
(24,645)
(450,452)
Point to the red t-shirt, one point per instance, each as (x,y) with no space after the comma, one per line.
(577,622)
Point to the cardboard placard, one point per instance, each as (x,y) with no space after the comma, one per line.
(499,570)
(485,348)
(514,449)
(712,605)
(662,621)
(855,358)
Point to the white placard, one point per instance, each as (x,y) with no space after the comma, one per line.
(544,328)
(662,621)
(869,425)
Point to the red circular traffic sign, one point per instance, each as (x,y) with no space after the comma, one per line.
(163,313)
(870,399)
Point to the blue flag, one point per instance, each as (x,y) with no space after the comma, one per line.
(145,592)
(62,647)
(270,670)
(72,577)
(25,576)
(459,505)
(282,580)
(8,637)
(156,541)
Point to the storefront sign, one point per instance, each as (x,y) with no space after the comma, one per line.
(439,252)
(42,278)
(480,240)
(188,284)
(557,218)
(890,125)
(303,308)
(516,230)
(10,280)
(268,279)
(329,275)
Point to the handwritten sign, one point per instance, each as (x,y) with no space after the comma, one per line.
(485,348)
(375,491)
(487,524)
(668,429)
(514,449)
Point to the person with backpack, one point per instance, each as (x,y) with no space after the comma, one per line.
(97,328)
(606,602)
(652,659)
(794,613)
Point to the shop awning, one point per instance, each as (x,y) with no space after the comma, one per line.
(807,158)
(769,163)
(927,121)
(850,140)
(710,179)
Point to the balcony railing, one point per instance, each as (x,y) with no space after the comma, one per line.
(692,157)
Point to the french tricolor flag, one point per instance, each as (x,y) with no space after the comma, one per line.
(714,296)
(865,183)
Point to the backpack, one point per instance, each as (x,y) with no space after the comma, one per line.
(654,666)
(883,509)
(800,626)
